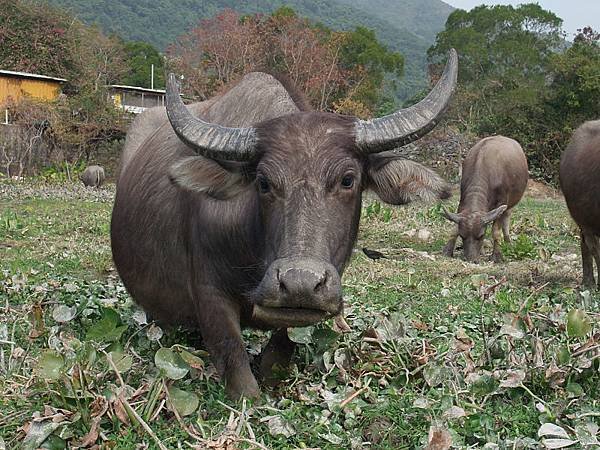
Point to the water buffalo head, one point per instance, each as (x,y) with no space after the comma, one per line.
(306,172)
(471,229)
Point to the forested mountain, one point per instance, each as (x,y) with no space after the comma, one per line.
(408,26)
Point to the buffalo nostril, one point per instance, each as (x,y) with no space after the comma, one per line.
(322,282)
(282,287)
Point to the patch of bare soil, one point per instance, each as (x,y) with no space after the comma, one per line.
(536,189)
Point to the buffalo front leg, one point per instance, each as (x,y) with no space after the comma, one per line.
(275,356)
(497,253)
(505,218)
(219,320)
(449,247)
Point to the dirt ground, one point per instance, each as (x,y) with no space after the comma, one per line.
(536,189)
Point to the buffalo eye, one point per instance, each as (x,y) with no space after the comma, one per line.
(263,185)
(348,181)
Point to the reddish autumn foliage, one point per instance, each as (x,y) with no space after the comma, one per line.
(222,49)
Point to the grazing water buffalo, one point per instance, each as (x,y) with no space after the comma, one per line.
(244,209)
(494,178)
(92,176)
(580,183)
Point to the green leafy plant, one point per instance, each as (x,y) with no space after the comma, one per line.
(520,248)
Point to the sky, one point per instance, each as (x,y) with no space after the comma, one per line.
(575,13)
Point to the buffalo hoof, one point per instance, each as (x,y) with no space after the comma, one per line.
(590,283)
(497,258)
(448,251)
(242,385)
(276,357)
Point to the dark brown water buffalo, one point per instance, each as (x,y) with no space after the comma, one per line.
(494,178)
(92,176)
(580,183)
(244,209)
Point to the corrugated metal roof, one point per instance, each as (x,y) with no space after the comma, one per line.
(137,88)
(30,75)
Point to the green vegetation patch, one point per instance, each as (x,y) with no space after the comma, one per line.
(433,350)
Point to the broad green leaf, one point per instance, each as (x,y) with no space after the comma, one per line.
(54,442)
(122,361)
(154,333)
(184,402)
(87,354)
(324,338)
(563,355)
(50,365)
(38,433)
(578,323)
(550,429)
(64,313)
(173,365)
(434,374)
(301,335)
(558,443)
(278,426)
(484,385)
(108,328)
(587,434)
(575,389)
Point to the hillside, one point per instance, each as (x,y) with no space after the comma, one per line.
(407,26)
(423,18)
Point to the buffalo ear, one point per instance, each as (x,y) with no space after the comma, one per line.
(398,181)
(203,175)
(492,215)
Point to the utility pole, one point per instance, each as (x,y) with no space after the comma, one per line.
(152,78)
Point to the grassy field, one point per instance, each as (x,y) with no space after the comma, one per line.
(439,353)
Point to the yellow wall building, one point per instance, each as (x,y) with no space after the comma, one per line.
(17,85)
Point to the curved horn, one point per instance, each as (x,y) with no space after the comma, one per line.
(452,217)
(407,125)
(207,139)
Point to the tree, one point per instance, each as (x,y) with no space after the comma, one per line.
(40,39)
(573,97)
(20,144)
(331,68)
(506,61)
(216,52)
(499,41)
(576,77)
(369,60)
(34,38)
(140,59)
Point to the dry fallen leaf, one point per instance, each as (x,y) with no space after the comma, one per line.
(120,411)
(439,439)
(92,436)
(513,379)
(454,412)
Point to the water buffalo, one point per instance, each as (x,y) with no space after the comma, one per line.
(494,178)
(243,210)
(580,182)
(92,176)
